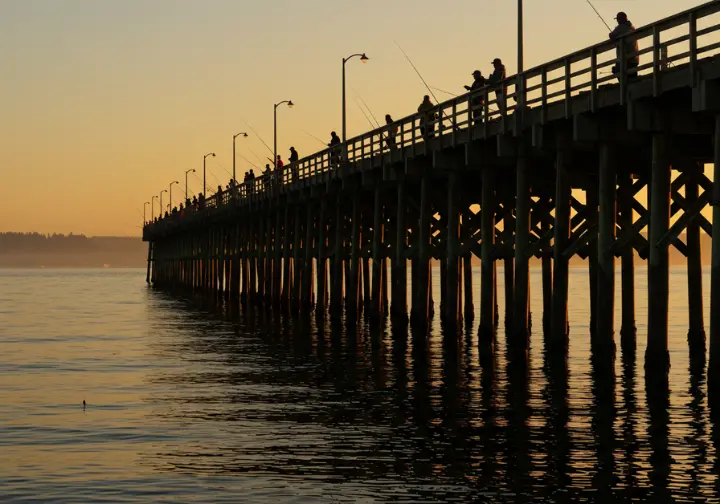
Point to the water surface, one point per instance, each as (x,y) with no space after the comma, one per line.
(193,402)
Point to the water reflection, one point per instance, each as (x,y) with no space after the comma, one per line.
(384,411)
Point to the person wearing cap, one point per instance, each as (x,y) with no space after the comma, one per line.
(427,126)
(623,28)
(497,77)
(294,158)
(476,103)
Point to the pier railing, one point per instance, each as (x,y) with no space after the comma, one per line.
(677,42)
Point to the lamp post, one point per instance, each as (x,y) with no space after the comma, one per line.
(364,59)
(204,166)
(186,184)
(290,104)
(234,137)
(520,37)
(161,205)
(144,212)
(152,208)
(171,184)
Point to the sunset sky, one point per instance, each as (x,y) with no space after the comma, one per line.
(105,102)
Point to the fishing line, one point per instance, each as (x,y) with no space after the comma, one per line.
(372,126)
(446,92)
(416,71)
(598,14)
(377,124)
(313,136)
(259,137)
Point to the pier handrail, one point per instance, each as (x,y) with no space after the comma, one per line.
(561,79)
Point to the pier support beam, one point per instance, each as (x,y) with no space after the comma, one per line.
(696,330)
(399,268)
(656,355)
(487,279)
(337,261)
(606,259)
(625,202)
(287,269)
(277,253)
(322,291)
(452,313)
(562,236)
(421,294)
(714,365)
(522,241)
(353,281)
(378,238)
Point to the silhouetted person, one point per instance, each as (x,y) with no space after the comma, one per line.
(427,127)
(294,158)
(497,77)
(201,201)
(267,177)
(623,28)
(251,181)
(195,203)
(477,102)
(391,131)
(335,148)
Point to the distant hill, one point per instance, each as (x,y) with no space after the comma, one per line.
(34,250)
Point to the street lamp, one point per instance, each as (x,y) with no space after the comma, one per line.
(161,206)
(290,104)
(144,210)
(186,184)
(234,137)
(520,37)
(171,184)
(152,208)
(204,159)
(364,59)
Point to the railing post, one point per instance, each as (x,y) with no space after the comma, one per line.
(593,79)
(568,85)
(543,118)
(656,61)
(693,47)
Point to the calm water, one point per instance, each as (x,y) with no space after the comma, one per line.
(194,404)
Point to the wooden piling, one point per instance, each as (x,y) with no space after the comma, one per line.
(287,268)
(625,203)
(149,262)
(562,236)
(352,281)
(522,242)
(307,275)
(421,297)
(277,253)
(696,330)
(297,260)
(337,261)
(606,238)
(487,267)
(656,354)
(378,239)
(451,298)
(399,268)
(322,297)
(714,364)
(469,309)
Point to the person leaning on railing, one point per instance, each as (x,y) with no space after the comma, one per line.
(391,131)
(294,158)
(630,47)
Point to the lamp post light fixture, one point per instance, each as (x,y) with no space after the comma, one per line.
(152,208)
(145,212)
(204,167)
(161,205)
(290,104)
(186,183)
(364,59)
(245,135)
(171,184)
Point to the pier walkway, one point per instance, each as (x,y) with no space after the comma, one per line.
(496,174)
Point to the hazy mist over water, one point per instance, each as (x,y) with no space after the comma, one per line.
(197,404)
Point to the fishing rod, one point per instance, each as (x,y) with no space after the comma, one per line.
(258,135)
(377,124)
(372,126)
(422,79)
(248,161)
(416,71)
(313,136)
(446,92)
(598,14)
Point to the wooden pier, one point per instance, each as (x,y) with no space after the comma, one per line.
(548,164)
